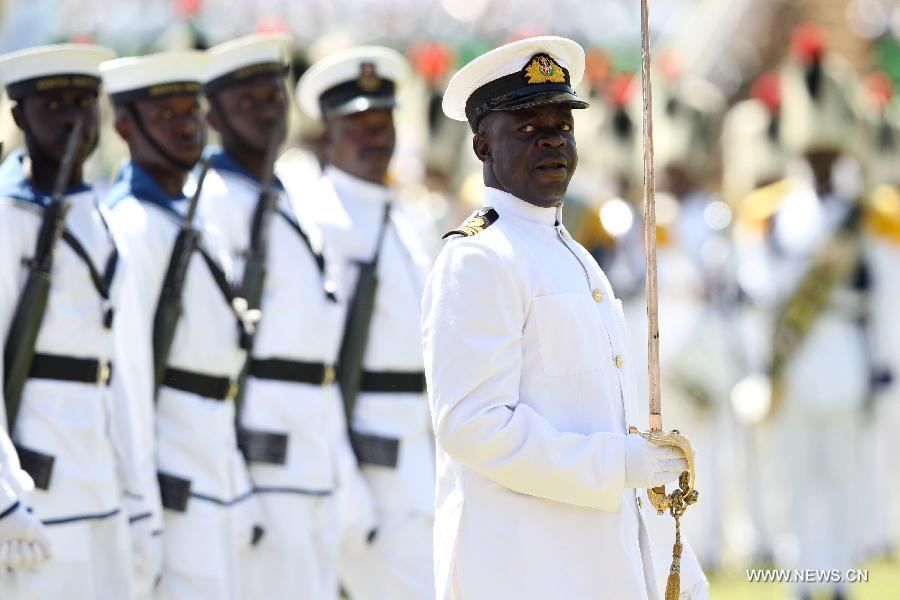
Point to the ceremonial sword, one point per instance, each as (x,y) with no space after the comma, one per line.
(684,495)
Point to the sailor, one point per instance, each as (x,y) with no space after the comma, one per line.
(820,361)
(292,426)
(698,358)
(386,551)
(878,484)
(540,490)
(68,429)
(189,386)
(754,165)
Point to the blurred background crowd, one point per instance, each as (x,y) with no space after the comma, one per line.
(777,131)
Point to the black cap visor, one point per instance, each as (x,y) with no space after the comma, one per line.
(358,105)
(535,100)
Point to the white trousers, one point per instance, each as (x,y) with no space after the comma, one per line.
(819,451)
(397,565)
(91,561)
(297,558)
(205,550)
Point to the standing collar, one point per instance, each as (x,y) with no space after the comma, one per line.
(15,183)
(347,185)
(222,161)
(133,180)
(506,204)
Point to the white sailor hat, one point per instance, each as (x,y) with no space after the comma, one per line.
(47,68)
(154,76)
(526,73)
(245,58)
(354,80)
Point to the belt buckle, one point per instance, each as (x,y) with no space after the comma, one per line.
(328,376)
(233,389)
(103,372)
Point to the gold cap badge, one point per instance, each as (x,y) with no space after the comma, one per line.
(368,81)
(543,69)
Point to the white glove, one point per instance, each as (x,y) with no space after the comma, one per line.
(22,555)
(147,549)
(649,466)
(23,539)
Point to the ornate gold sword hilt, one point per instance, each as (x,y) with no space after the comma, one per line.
(677,501)
(686,493)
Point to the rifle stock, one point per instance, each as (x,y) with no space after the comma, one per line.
(18,350)
(170,306)
(357,325)
(254,273)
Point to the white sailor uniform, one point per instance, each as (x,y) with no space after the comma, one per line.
(203,480)
(292,419)
(391,405)
(69,424)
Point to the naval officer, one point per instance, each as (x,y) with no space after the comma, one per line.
(540,490)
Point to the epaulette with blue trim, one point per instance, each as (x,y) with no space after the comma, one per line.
(478,221)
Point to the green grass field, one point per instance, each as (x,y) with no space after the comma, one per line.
(883,584)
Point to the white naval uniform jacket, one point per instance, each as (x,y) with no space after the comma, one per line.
(349,211)
(301,322)
(195,436)
(830,370)
(531,394)
(82,425)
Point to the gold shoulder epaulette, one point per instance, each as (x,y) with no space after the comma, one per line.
(478,221)
(882,212)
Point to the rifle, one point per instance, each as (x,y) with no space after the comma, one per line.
(18,351)
(170,306)
(356,325)
(249,299)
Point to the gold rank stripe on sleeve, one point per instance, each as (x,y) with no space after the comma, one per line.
(478,221)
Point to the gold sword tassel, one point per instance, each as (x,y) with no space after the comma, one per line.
(685,494)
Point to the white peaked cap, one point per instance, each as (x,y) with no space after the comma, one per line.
(513,58)
(154,75)
(347,67)
(50,67)
(237,58)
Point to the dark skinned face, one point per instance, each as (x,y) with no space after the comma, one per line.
(822,163)
(175,122)
(362,143)
(529,153)
(252,109)
(50,118)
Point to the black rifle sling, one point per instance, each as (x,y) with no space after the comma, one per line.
(379,243)
(317,256)
(218,275)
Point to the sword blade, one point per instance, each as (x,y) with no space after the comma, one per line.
(650,227)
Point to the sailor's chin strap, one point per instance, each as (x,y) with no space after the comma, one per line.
(174,161)
(229,128)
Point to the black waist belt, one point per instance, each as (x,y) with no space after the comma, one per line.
(208,386)
(392,381)
(68,368)
(294,371)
